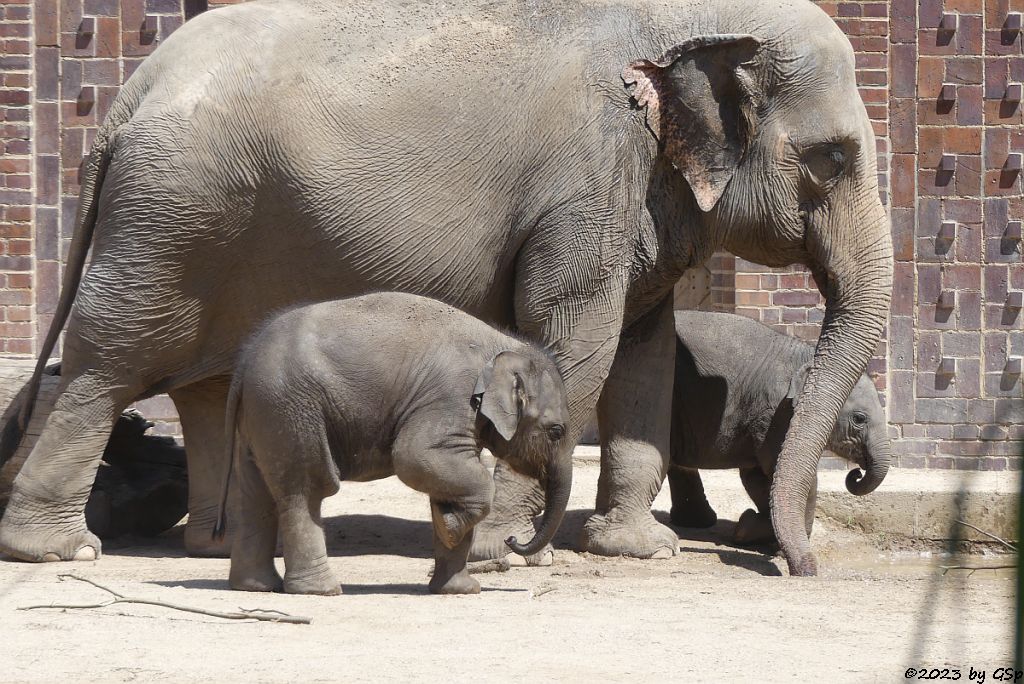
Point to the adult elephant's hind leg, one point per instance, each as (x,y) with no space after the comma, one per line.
(45,517)
(634,413)
(201,407)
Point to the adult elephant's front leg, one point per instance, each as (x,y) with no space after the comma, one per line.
(634,415)
(583,337)
(201,407)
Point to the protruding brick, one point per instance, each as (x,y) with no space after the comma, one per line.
(1013,93)
(947,93)
(947,163)
(947,231)
(947,367)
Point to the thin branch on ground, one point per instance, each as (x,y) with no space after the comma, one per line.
(243,614)
(973,568)
(1002,541)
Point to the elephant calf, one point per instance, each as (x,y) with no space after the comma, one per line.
(736,382)
(386,384)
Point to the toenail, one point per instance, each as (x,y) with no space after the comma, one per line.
(50,557)
(86,553)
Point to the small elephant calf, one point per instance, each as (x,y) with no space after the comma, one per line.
(735,384)
(386,384)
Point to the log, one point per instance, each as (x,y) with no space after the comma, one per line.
(141,486)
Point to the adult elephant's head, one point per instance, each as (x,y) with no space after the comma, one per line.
(763,119)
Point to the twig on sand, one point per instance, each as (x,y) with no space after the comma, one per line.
(1002,541)
(973,568)
(243,614)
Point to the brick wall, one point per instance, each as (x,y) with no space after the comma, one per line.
(949,363)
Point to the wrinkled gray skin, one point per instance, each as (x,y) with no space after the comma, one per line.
(552,167)
(386,384)
(736,383)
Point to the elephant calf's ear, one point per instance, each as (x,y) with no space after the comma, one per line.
(501,393)
(796,383)
(701,100)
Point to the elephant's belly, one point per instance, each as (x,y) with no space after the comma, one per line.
(364,465)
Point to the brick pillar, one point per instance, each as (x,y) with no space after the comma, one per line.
(16,244)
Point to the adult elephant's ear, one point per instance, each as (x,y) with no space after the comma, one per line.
(500,394)
(701,98)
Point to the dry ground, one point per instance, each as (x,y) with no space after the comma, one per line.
(713,613)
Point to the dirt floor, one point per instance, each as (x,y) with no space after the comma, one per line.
(713,613)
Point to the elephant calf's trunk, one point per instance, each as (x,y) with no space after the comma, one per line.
(861,483)
(556,500)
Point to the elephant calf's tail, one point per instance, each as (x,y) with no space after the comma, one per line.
(230,431)
(88,205)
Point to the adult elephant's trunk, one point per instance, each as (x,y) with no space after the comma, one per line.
(879,456)
(556,499)
(852,250)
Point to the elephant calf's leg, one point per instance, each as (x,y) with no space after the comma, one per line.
(255,534)
(45,515)
(755,527)
(690,507)
(307,569)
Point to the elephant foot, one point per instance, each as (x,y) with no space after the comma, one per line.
(265,579)
(489,544)
(754,528)
(696,514)
(319,580)
(638,537)
(29,533)
(459,583)
(200,542)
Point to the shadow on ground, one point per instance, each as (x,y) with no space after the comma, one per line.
(373,534)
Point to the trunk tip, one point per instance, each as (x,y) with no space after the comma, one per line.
(807,566)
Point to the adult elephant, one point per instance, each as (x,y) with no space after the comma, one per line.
(552,166)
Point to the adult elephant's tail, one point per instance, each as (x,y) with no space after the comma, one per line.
(88,204)
(230,431)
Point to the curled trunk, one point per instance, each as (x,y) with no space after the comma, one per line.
(879,457)
(556,500)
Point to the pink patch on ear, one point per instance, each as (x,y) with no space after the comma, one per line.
(644,92)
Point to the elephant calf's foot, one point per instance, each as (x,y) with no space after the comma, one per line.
(319,580)
(754,528)
(459,583)
(694,513)
(30,533)
(489,544)
(639,537)
(251,579)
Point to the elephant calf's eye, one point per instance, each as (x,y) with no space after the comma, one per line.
(556,432)
(859,419)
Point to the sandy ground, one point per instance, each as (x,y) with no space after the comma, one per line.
(714,613)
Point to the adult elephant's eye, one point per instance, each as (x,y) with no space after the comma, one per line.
(825,163)
(556,432)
